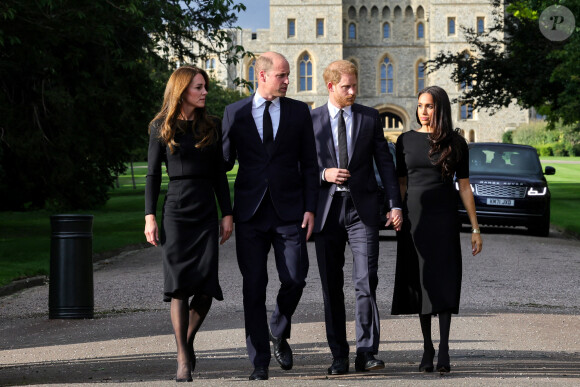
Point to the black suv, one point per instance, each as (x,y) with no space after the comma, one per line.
(509,187)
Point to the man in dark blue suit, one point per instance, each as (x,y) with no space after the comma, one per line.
(275,197)
(349,137)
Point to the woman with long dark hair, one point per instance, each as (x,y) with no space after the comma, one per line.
(428,274)
(188,141)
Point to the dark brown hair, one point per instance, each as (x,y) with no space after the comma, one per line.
(205,129)
(443,140)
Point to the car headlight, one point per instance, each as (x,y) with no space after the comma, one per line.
(535,191)
(457,187)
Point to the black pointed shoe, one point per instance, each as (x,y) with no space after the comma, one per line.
(443,363)
(339,366)
(260,373)
(365,361)
(282,352)
(427,360)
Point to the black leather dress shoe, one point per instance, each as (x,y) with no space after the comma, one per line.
(260,373)
(282,353)
(339,366)
(365,361)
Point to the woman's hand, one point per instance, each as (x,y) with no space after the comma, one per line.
(151,230)
(226,228)
(476,244)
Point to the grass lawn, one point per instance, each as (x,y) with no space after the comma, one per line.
(25,236)
(565,189)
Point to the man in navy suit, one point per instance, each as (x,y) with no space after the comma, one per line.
(275,197)
(349,137)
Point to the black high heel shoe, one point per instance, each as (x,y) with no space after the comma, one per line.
(427,360)
(181,380)
(443,365)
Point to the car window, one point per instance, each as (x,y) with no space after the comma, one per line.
(504,160)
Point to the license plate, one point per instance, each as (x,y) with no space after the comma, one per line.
(500,202)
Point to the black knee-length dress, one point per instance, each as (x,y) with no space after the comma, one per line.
(428,273)
(190,230)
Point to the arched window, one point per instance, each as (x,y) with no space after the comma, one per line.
(387,79)
(386,31)
(305,66)
(420,31)
(471,135)
(352,31)
(420,76)
(450,26)
(252,76)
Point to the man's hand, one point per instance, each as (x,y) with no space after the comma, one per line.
(308,223)
(336,175)
(396,218)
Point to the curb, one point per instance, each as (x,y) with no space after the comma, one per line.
(30,282)
(25,283)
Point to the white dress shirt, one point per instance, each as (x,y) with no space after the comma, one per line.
(258,106)
(334,114)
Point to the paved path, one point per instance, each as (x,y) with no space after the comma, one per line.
(519,325)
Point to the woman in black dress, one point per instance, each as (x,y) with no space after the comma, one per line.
(188,141)
(428,274)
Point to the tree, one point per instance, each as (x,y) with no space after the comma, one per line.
(219,97)
(79,82)
(513,60)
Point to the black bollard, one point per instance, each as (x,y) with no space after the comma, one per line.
(70,291)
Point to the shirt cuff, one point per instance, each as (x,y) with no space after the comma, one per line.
(322,177)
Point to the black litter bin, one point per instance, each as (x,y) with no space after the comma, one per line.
(70,292)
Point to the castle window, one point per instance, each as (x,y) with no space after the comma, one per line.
(466,111)
(319,27)
(291,28)
(254,36)
(252,76)
(305,73)
(387,80)
(450,26)
(420,77)
(386,31)
(420,31)
(480,25)
(352,31)
(210,64)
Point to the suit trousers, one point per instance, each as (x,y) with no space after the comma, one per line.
(253,241)
(344,225)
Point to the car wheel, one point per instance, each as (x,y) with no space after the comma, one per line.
(542,227)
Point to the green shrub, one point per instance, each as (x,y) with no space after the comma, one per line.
(545,150)
(560,149)
(558,141)
(507,137)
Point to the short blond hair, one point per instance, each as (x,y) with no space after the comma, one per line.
(334,71)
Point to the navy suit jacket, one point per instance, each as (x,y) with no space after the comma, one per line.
(368,143)
(289,172)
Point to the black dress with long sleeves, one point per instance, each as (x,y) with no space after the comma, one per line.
(189,229)
(428,273)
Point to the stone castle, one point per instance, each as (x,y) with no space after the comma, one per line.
(388,40)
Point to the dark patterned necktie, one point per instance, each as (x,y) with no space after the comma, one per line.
(267,127)
(342,147)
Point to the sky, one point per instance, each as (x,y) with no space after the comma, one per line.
(256,15)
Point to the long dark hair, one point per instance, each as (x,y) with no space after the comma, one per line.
(206,132)
(443,140)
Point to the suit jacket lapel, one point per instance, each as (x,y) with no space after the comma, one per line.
(356,124)
(327,134)
(282,125)
(250,124)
